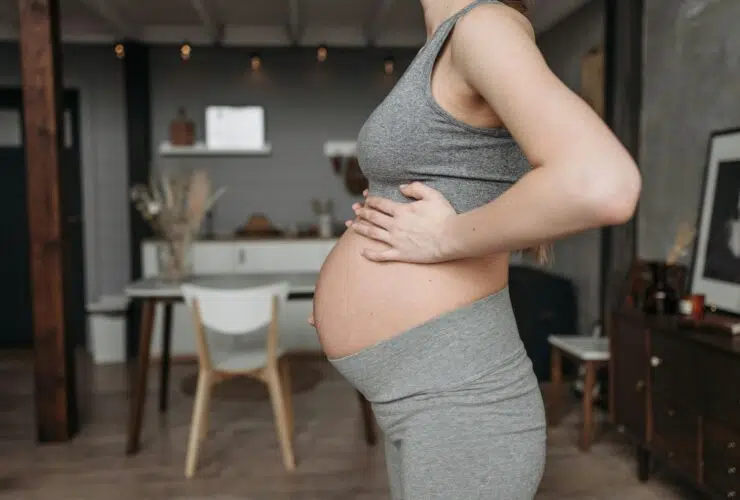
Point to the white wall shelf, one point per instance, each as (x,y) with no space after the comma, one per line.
(201,149)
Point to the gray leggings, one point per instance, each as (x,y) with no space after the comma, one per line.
(459,405)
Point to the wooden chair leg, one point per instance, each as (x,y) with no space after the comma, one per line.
(277,398)
(556,382)
(207,407)
(199,412)
(588,408)
(288,396)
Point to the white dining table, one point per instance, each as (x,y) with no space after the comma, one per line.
(155,287)
(147,293)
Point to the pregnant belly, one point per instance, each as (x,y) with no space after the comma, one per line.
(359,303)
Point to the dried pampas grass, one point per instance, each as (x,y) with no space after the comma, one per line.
(175,205)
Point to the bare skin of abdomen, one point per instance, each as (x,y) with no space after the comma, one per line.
(359,303)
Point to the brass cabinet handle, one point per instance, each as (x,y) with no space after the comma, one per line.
(655,361)
(731,494)
(731,471)
(731,445)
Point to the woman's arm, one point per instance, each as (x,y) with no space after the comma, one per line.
(583,177)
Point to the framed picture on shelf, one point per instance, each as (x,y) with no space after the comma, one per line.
(716,261)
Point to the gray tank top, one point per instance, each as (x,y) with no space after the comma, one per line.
(409,137)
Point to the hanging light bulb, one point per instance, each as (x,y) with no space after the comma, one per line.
(389,65)
(185,51)
(321,53)
(255,61)
(120,50)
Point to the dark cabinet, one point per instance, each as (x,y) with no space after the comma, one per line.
(675,392)
(629,379)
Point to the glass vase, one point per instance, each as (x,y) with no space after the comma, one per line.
(175,259)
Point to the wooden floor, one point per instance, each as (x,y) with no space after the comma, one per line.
(240,459)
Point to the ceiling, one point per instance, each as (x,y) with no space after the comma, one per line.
(350,23)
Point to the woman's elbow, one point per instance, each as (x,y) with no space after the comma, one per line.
(614,194)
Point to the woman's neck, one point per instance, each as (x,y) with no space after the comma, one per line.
(437,11)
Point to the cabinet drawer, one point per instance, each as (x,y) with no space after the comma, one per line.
(722,479)
(676,435)
(213,258)
(673,370)
(719,391)
(721,444)
(297,257)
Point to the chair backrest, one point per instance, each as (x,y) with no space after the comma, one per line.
(235,311)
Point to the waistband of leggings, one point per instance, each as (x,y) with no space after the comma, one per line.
(456,347)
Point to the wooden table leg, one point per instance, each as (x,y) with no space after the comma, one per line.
(368,421)
(164,377)
(139,385)
(588,407)
(556,379)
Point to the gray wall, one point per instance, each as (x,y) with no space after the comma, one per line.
(306,104)
(97,75)
(691,87)
(577,257)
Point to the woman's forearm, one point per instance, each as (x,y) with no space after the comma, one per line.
(546,204)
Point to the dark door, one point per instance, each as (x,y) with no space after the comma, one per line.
(15,289)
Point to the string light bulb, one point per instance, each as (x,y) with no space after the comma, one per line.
(322,53)
(255,61)
(185,51)
(389,65)
(120,50)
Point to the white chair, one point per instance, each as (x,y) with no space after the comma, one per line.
(240,312)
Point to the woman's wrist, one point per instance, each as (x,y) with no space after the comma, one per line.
(454,244)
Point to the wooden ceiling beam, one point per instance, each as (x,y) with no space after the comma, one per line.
(208,17)
(295,22)
(108,13)
(373,28)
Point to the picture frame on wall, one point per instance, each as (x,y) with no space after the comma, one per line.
(716,261)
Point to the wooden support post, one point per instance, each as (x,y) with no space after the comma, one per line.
(56,399)
(623,60)
(139,146)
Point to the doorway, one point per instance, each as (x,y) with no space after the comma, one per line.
(15,259)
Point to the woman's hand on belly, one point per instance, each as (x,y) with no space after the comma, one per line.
(412,232)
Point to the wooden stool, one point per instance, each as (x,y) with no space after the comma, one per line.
(592,353)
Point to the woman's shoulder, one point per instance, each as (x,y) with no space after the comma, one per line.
(493,18)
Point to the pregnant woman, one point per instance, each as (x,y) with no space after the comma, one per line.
(478,151)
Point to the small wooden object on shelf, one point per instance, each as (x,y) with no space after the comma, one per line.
(182,129)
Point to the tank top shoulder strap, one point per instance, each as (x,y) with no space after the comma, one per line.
(430,53)
(443,31)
